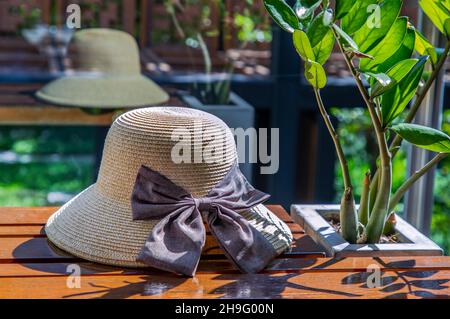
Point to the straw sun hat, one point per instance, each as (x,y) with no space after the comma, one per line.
(100,223)
(107,74)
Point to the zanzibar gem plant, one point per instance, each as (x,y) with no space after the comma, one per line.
(398,64)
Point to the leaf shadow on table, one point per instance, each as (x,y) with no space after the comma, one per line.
(55,261)
(150,285)
(274,285)
(418,283)
(154,282)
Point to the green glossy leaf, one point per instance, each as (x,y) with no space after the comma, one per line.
(317,30)
(323,49)
(377,25)
(378,83)
(302,45)
(315,74)
(282,14)
(424,137)
(395,100)
(395,75)
(357,16)
(347,40)
(343,7)
(386,47)
(405,51)
(438,13)
(424,47)
(446,4)
(305,8)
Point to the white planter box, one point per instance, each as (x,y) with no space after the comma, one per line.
(312,219)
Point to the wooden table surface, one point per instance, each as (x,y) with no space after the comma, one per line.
(31,268)
(18,107)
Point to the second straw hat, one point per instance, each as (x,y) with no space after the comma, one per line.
(107,74)
(144,209)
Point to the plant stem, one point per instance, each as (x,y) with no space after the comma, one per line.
(378,214)
(415,107)
(348,215)
(413,178)
(373,194)
(363,212)
(335,137)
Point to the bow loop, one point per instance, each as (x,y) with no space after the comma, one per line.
(176,242)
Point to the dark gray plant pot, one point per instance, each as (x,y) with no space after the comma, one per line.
(312,219)
(238,114)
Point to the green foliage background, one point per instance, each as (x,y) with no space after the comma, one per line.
(44,160)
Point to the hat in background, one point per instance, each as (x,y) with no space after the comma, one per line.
(107,74)
(99,224)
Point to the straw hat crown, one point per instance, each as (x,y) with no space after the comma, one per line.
(106,51)
(148,136)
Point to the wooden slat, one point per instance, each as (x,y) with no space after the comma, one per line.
(60,12)
(39,215)
(415,284)
(18,87)
(46,11)
(28,222)
(18,107)
(16,43)
(144,27)
(10,216)
(21,58)
(53,115)
(22,231)
(37,230)
(280,265)
(30,250)
(22,238)
(37,249)
(128,15)
(50,115)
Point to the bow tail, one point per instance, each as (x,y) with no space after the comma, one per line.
(175,243)
(246,247)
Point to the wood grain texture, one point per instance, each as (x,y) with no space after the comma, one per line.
(23,240)
(30,267)
(294,285)
(10,216)
(280,265)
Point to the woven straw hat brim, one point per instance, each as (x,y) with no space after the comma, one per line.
(105,92)
(102,230)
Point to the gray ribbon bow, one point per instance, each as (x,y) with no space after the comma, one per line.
(176,242)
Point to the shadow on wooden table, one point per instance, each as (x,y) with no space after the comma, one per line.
(312,277)
(148,282)
(256,286)
(412,280)
(148,286)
